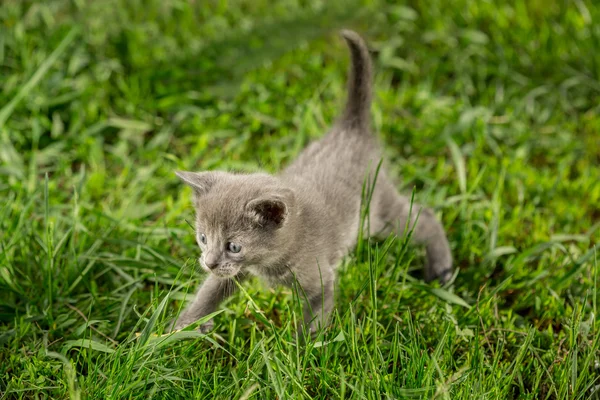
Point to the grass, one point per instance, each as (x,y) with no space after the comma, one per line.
(489,111)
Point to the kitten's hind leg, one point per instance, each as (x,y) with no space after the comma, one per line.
(392,213)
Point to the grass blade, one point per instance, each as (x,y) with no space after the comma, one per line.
(6,111)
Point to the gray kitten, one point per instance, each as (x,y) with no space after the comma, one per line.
(295,227)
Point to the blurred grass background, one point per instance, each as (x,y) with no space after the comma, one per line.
(489,109)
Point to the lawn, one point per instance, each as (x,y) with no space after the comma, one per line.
(490,114)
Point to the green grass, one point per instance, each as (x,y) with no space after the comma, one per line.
(489,110)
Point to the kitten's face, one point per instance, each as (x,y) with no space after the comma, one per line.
(239,220)
(227,251)
(220,254)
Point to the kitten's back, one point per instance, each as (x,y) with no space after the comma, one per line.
(335,167)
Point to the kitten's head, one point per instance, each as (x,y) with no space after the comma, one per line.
(241,220)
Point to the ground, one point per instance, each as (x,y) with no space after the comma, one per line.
(489,112)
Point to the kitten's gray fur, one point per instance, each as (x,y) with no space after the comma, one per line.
(300,223)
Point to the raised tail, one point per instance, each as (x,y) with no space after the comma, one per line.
(358,105)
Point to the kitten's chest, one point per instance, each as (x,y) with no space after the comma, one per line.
(281,275)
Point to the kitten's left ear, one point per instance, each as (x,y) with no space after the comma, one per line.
(201,182)
(271,210)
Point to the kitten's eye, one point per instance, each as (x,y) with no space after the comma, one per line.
(234,247)
(203,238)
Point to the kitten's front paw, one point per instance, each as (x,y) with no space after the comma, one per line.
(207,326)
(441,273)
(439,262)
(182,322)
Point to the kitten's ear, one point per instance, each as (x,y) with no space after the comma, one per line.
(271,210)
(201,182)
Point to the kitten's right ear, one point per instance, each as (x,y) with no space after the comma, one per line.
(272,209)
(201,182)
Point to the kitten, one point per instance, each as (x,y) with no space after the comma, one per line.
(296,226)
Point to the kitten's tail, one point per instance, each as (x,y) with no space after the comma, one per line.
(358,105)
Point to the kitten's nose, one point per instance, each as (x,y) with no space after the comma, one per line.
(211,266)
(211,261)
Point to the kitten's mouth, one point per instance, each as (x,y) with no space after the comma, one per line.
(225,272)
(222,271)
